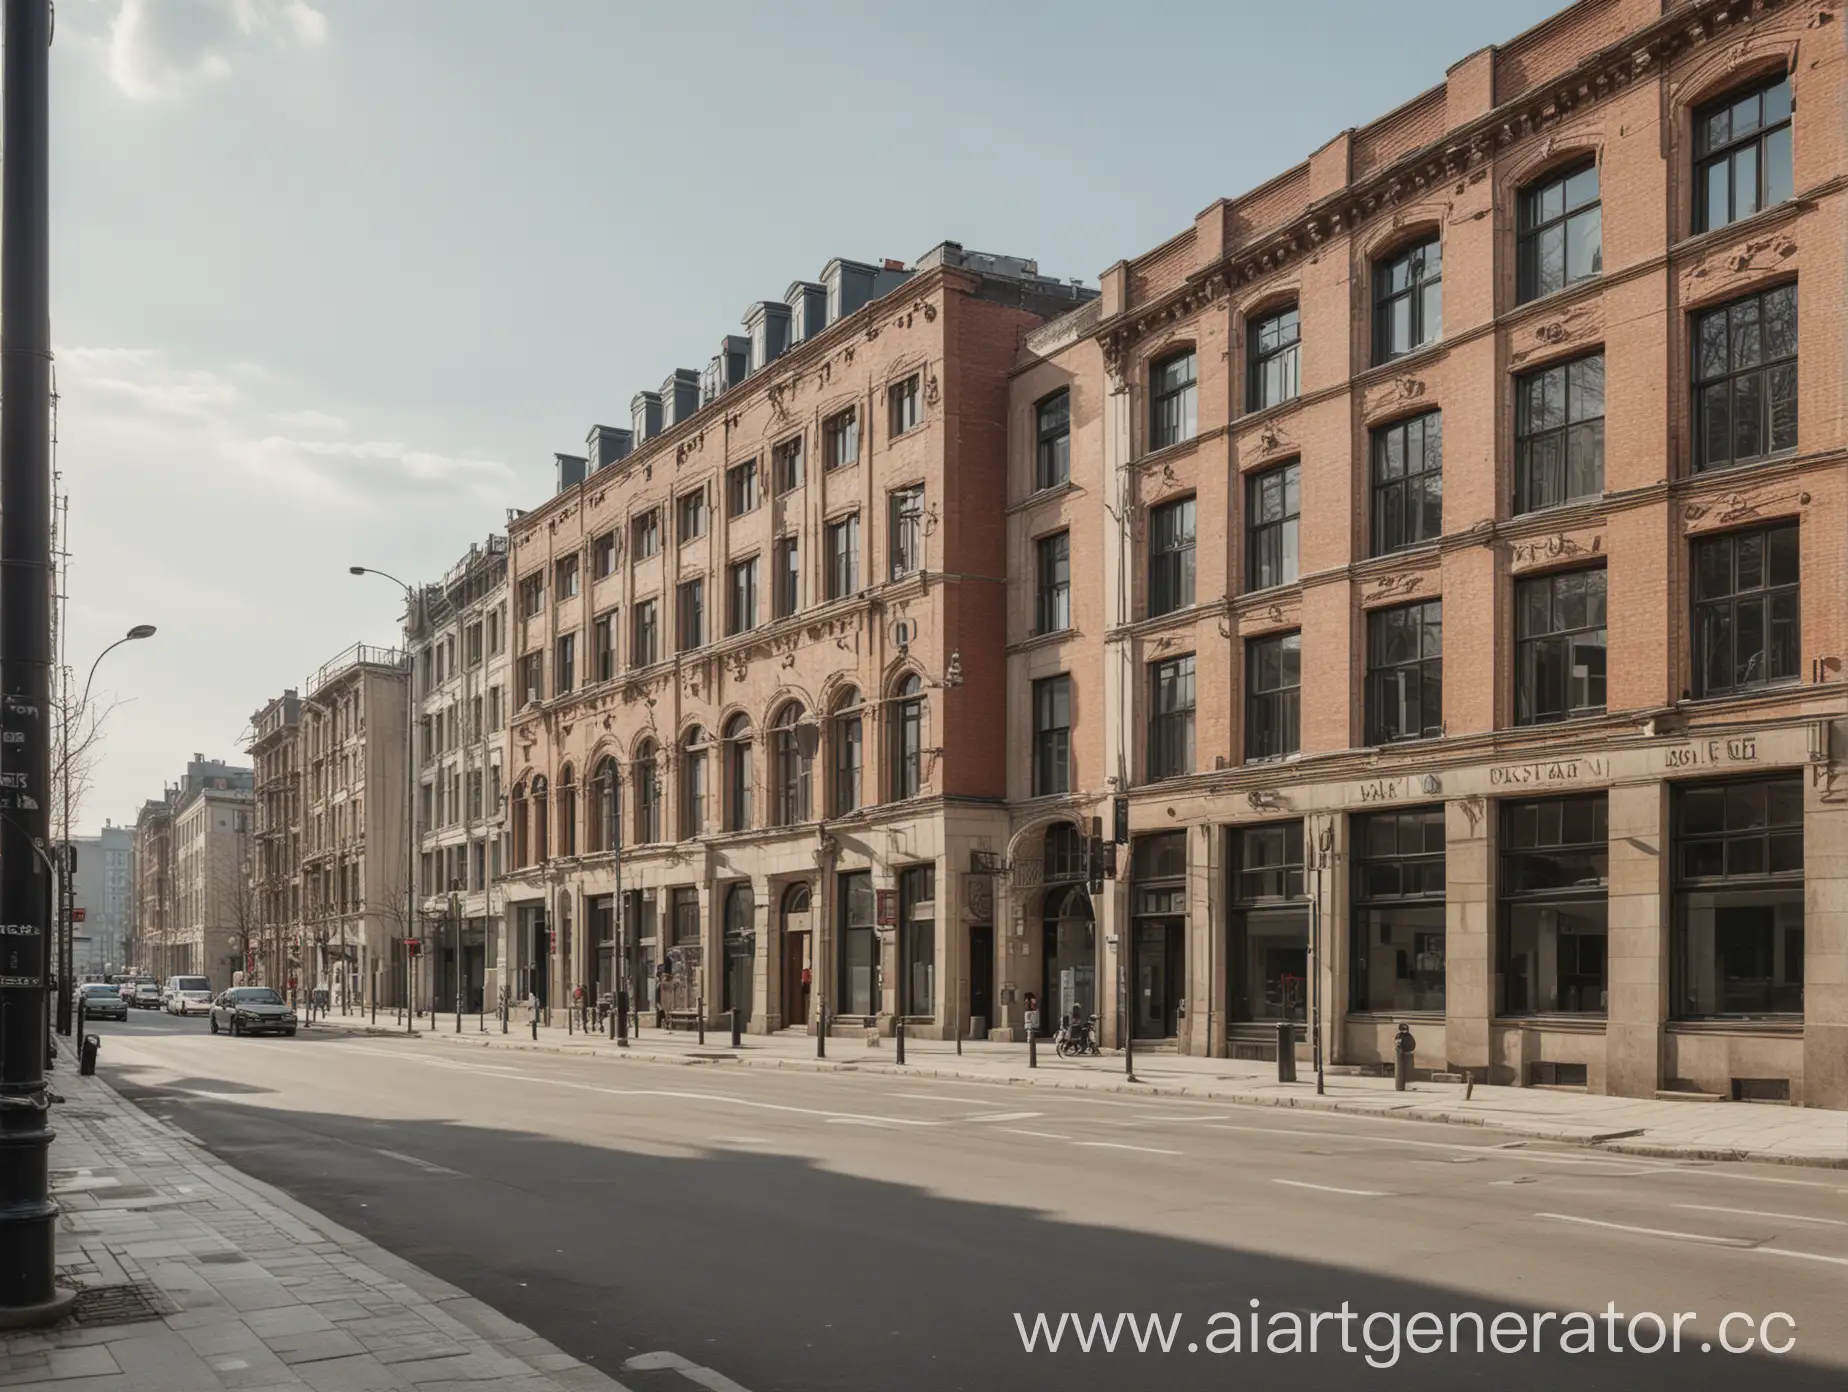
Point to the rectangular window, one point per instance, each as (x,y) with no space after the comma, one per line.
(1054,592)
(741,603)
(1269,960)
(1559,434)
(1742,154)
(844,557)
(1747,624)
(786,559)
(1273,502)
(1558,646)
(1396,956)
(1273,696)
(1555,869)
(686,918)
(741,488)
(690,615)
(532,595)
(1172,400)
(645,641)
(1408,483)
(645,535)
(1052,736)
(566,584)
(1273,343)
(1171,557)
(692,515)
(1171,717)
(840,439)
(1737,946)
(603,640)
(917,894)
(786,466)
(1405,672)
(906,512)
(1408,300)
(859,935)
(603,554)
(1052,459)
(1561,233)
(564,664)
(849,761)
(532,678)
(1745,379)
(902,402)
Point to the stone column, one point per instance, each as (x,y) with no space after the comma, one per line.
(1825,943)
(1636,961)
(766,965)
(1204,1030)
(1469,935)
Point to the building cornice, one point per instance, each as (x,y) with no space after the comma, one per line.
(1461,153)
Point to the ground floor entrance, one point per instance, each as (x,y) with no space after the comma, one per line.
(1159,978)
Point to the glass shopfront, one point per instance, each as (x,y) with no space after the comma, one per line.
(1738,868)
(1269,960)
(1555,865)
(917,907)
(1068,956)
(740,950)
(1396,957)
(1157,968)
(859,939)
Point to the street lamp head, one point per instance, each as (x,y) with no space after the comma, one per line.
(356,570)
(142,631)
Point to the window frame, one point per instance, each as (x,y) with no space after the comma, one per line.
(905,531)
(907,780)
(741,596)
(1706,155)
(840,438)
(1284,530)
(1519,864)
(1170,751)
(690,614)
(743,493)
(564,663)
(1533,222)
(1052,440)
(1052,741)
(1378,672)
(1274,708)
(843,562)
(1763,374)
(645,632)
(1174,406)
(1763,596)
(1527,646)
(1181,556)
(603,645)
(786,465)
(691,520)
(1052,583)
(645,535)
(1260,356)
(1530,439)
(786,571)
(1414,255)
(904,406)
(1409,487)
(603,555)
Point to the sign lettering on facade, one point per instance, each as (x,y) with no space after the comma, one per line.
(1702,753)
(1552,771)
(1380,790)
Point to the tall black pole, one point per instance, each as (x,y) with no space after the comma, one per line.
(28,1217)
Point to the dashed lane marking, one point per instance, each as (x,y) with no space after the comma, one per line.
(1037,1135)
(1331,1189)
(1003,1116)
(1112,1145)
(430,1166)
(1760,1213)
(1708,1238)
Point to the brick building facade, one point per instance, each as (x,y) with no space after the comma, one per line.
(1381,461)
(745,636)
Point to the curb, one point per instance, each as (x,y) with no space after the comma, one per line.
(1615,1142)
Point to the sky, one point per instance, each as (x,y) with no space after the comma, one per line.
(334,279)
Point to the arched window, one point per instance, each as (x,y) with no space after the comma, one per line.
(567,812)
(793,750)
(738,773)
(542,838)
(692,784)
(849,754)
(522,841)
(647,794)
(908,739)
(604,807)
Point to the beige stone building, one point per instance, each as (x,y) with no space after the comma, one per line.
(276,758)
(153,882)
(457,639)
(206,905)
(1466,631)
(354,911)
(753,639)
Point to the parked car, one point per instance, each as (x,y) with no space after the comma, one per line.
(101,1001)
(252,1010)
(185,994)
(144,994)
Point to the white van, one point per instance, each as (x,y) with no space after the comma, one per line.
(185,994)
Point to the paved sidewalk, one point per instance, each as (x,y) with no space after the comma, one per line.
(193,1277)
(1638,1126)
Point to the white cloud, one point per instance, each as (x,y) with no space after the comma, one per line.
(161,49)
(308,420)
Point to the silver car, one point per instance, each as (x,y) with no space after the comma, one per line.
(252,1010)
(100,1001)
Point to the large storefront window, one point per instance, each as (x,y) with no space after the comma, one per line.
(1158,963)
(1269,960)
(1738,938)
(1555,869)
(917,908)
(859,943)
(740,950)
(1069,941)
(682,983)
(1396,949)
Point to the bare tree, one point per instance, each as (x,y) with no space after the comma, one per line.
(84,721)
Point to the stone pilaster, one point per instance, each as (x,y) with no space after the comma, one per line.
(1637,954)
(1469,934)
(1825,944)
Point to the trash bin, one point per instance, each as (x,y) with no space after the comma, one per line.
(1403,1046)
(86,1060)
(1286,1052)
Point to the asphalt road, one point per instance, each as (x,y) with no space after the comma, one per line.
(800,1231)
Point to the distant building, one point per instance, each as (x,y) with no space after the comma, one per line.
(103,890)
(275,752)
(197,916)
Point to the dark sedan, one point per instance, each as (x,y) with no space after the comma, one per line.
(251,1010)
(101,1002)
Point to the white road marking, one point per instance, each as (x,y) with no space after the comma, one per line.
(1708,1238)
(1154,1116)
(430,1165)
(1112,1145)
(740,1140)
(1755,1178)
(1003,1116)
(1331,1189)
(705,1377)
(1803,1256)
(1501,1152)
(1037,1135)
(1760,1213)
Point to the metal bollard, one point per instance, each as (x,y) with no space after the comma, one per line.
(86,1058)
(898,1034)
(959,1035)
(1032,1048)
(821,1031)
(1403,1047)
(1286,1052)
(535,1022)
(702,1022)
(737,1027)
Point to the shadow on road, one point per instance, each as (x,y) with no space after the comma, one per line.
(792,1278)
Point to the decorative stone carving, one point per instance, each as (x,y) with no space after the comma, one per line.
(1273,439)
(1404,582)
(1737,507)
(931,390)
(1582,321)
(1747,258)
(1534,551)
(1393,394)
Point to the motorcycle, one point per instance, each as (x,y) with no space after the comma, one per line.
(1076,1037)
